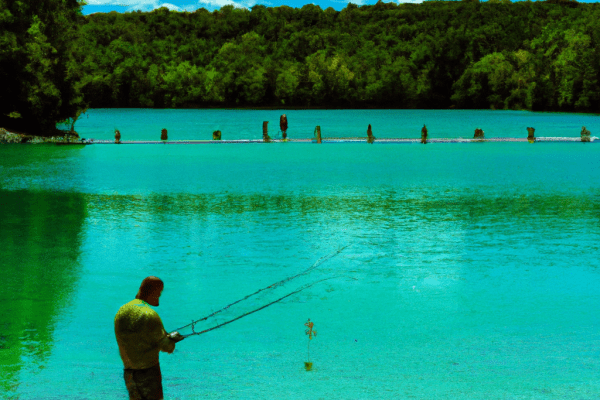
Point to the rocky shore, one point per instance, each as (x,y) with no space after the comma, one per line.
(7,137)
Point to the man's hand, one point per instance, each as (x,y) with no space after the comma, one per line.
(176,337)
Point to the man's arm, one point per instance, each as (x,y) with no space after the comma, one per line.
(160,336)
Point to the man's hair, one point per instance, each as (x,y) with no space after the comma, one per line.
(149,285)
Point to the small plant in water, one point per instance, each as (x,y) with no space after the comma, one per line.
(310,332)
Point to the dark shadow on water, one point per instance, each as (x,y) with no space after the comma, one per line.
(458,204)
(39,250)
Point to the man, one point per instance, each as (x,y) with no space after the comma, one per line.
(141,336)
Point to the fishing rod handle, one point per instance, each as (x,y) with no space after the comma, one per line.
(176,336)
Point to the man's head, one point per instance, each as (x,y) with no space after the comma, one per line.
(150,290)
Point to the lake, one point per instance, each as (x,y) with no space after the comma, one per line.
(146,124)
(471,270)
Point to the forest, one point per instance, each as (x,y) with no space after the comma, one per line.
(496,54)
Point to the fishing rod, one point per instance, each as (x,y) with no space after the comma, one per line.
(272,286)
(318,263)
(301,288)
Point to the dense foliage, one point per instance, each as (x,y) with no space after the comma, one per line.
(438,54)
(54,62)
(38,86)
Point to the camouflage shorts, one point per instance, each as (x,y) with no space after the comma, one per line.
(144,384)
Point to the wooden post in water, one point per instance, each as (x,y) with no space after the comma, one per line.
(117,136)
(318,133)
(585,134)
(163,135)
(478,134)
(424,134)
(266,137)
(370,137)
(283,125)
(530,135)
(217,135)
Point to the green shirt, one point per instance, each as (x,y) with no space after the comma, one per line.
(140,335)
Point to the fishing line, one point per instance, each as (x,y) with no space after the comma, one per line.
(304,287)
(271,287)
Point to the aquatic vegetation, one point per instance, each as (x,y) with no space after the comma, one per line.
(530,134)
(585,134)
(310,332)
(283,126)
(370,137)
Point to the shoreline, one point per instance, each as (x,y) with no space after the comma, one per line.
(8,137)
(363,107)
(83,142)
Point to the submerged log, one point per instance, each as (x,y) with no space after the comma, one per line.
(163,134)
(478,134)
(117,136)
(283,125)
(530,135)
(217,135)
(370,137)
(266,137)
(585,134)
(424,134)
(318,133)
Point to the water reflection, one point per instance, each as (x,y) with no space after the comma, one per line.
(39,251)
(428,264)
(371,206)
(394,232)
(43,167)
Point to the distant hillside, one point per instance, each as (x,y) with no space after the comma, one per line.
(438,54)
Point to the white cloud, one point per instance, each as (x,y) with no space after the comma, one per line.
(213,4)
(170,6)
(132,5)
(357,2)
(372,2)
(149,5)
(112,2)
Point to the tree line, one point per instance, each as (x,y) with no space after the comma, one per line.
(527,55)
(37,84)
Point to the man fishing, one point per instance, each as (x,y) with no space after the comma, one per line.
(141,336)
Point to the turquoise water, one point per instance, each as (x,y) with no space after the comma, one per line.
(475,265)
(146,124)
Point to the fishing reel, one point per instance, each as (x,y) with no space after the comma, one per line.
(175,336)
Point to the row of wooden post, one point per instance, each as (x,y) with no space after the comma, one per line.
(479,133)
(283,125)
(163,135)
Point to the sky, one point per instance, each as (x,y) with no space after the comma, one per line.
(192,5)
(94,6)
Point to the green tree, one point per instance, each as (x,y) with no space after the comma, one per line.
(576,78)
(240,76)
(485,83)
(287,82)
(521,55)
(330,78)
(37,85)
(522,82)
